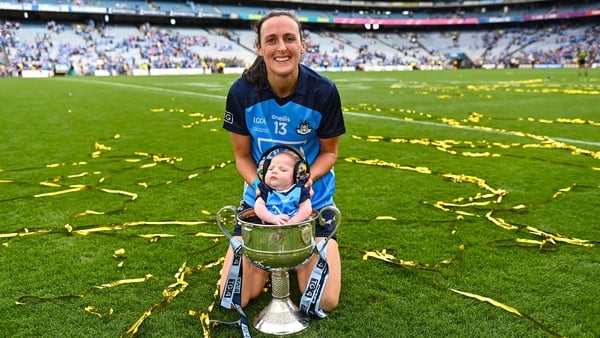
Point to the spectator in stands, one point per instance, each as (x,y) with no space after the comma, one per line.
(277,100)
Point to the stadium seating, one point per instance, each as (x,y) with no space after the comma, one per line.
(87,47)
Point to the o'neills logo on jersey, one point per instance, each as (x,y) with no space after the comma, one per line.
(281,118)
(304,128)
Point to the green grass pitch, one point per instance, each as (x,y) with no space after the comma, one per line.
(469,202)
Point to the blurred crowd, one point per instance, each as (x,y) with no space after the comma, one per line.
(157,47)
(151,47)
(560,45)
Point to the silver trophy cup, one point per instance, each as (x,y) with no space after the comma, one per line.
(278,249)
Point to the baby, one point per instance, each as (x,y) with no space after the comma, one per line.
(283,199)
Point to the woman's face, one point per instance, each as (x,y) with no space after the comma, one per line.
(281,45)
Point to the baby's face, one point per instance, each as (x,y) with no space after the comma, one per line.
(280,174)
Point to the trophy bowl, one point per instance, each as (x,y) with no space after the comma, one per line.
(270,246)
(278,249)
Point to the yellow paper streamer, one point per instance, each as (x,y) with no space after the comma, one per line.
(126,193)
(506,308)
(124,281)
(489,300)
(560,238)
(24,233)
(171,292)
(61,192)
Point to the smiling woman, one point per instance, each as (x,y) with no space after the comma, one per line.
(279,101)
(279,47)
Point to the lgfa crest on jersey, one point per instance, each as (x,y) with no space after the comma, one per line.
(304,128)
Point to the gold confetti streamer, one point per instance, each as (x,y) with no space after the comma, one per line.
(126,193)
(382,163)
(61,192)
(165,223)
(50,184)
(380,218)
(25,233)
(100,146)
(206,234)
(560,238)
(464,213)
(506,308)
(478,181)
(125,281)
(94,310)
(560,191)
(119,253)
(78,175)
(489,300)
(156,237)
(204,316)
(23,299)
(90,212)
(484,154)
(525,242)
(86,232)
(500,222)
(171,292)
(386,257)
(124,225)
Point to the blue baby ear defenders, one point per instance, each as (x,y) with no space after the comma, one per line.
(301,169)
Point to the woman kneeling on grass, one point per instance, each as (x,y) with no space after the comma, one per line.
(280,101)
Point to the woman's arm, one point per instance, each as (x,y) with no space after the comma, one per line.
(326,159)
(242,151)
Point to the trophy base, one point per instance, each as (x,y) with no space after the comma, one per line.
(281,317)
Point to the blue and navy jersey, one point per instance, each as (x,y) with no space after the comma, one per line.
(284,202)
(312,112)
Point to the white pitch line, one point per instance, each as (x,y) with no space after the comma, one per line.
(437,124)
(157,89)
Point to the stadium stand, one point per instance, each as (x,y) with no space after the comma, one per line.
(52,37)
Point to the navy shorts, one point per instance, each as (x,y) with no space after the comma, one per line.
(322,230)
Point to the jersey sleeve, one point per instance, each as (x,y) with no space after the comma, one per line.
(304,192)
(264,191)
(234,119)
(332,123)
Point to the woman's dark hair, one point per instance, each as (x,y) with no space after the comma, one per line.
(257,72)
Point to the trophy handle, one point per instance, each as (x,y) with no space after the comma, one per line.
(220,219)
(338,219)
